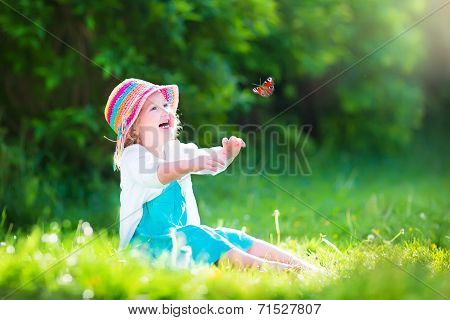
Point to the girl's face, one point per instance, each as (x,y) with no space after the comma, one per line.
(156,122)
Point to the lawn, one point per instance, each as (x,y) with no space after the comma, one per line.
(380,225)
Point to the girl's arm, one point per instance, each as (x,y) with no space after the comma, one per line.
(174,170)
(139,165)
(227,152)
(186,158)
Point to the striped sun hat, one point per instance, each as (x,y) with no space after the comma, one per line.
(125,103)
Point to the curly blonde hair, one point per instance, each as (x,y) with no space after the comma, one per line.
(132,136)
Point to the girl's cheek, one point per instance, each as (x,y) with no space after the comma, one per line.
(149,126)
(171,121)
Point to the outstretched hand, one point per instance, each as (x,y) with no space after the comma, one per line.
(232,146)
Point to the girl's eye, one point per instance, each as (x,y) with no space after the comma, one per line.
(153,108)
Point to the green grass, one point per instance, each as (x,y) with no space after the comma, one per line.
(358,205)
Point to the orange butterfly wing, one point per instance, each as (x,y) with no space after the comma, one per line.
(266,89)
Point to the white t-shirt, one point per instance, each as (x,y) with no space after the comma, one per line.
(139,183)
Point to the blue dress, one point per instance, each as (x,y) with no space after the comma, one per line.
(168,210)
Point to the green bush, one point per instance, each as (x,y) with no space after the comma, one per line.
(59,170)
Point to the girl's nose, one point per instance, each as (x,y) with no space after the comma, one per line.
(167,110)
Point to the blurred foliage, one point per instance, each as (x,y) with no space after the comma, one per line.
(214,50)
(44,176)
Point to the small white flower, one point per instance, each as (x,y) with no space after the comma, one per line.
(53,238)
(10,249)
(202,289)
(87,229)
(80,240)
(37,255)
(88,294)
(49,238)
(72,260)
(65,278)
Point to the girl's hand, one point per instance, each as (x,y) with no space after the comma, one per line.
(232,146)
(206,162)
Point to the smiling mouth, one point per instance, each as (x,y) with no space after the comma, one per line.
(164,125)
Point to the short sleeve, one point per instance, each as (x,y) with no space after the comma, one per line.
(141,166)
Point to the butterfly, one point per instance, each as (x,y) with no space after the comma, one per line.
(266,89)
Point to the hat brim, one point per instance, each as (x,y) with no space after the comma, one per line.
(171,94)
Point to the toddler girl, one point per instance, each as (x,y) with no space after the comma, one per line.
(157,203)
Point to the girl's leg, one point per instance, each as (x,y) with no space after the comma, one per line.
(241,258)
(271,252)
